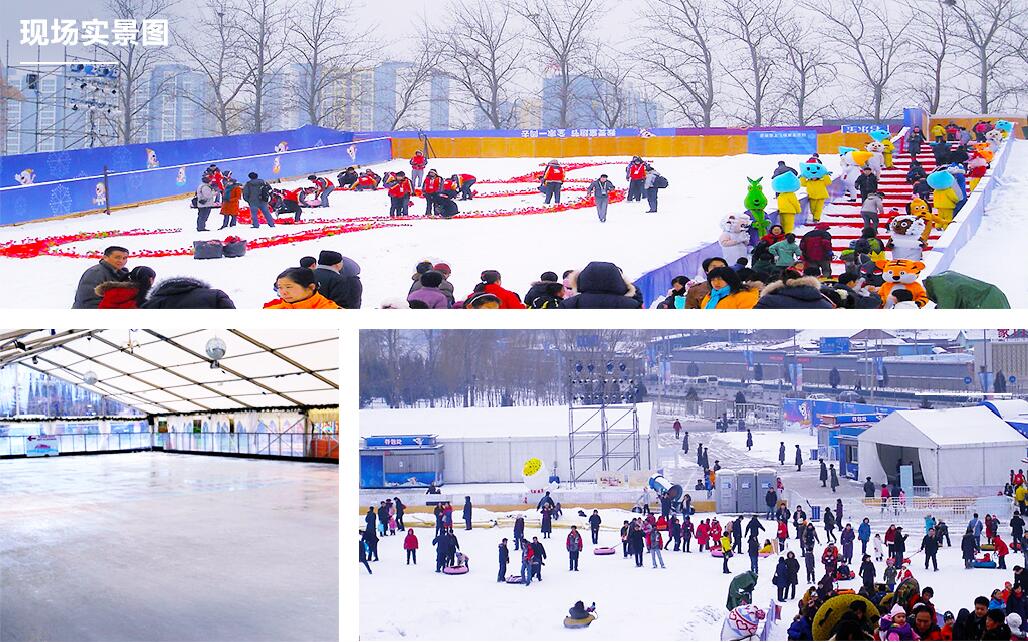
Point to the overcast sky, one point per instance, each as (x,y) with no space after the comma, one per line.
(396,41)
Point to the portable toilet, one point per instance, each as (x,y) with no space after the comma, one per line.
(766,478)
(724,493)
(746,491)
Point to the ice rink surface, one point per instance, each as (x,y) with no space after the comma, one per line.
(162,547)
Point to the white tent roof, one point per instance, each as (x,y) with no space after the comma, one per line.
(168,371)
(1015,410)
(487,422)
(946,428)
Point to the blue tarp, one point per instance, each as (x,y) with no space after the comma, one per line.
(60,198)
(76,163)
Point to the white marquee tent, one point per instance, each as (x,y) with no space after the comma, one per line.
(958,451)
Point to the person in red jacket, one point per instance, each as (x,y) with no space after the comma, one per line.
(553,178)
(636,175)
(1001,550)
(325,187)
(418,164)
(491,284)
(291,203)
(217,178)
(399,195)
(463,182)
(410,544)
(574,545)
(368,180)
(430,190)
(816,246)
(126,295)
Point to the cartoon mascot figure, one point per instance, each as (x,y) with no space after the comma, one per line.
(788,205)
(888,147)
(905,241)
(901,274)
(151,159)
(755,202)
(945,196)
(816,178)
(26,176)
(735,237)
(921,209)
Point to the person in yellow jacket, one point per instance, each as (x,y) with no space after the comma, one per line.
(1019,494)
(726,551)
(728,292)
(938,133)
(298,290)
(816,178)
(945,197)
(788,205)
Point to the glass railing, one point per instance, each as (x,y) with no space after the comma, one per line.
(292,444)
(18,444)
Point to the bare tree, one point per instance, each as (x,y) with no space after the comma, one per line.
(984,35)
(750,25)
(931,42)
(678,54)
(612,96)
(135,63)
(483,50)
(212,46)
(871,43)
(329,47)
(262,48)
(810,67)
(560,28)
(411,80)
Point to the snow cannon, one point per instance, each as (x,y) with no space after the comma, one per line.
(661,484)
(941,179)
(813,171)
(536,475)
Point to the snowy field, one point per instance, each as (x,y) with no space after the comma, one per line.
(686,601)
(1003,235)
(701,192)
(162,547)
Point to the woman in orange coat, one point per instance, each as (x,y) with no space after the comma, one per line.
(727,291)
(298,290)
(230,201)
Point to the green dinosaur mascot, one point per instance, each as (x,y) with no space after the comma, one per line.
(755,203)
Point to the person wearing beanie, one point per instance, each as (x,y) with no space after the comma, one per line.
(337,279)
(894,626)
(442,268)
(996,626)
(538,288)
(308,262)
(429,292)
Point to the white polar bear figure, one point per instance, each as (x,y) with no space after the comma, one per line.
(905,233)
(151,159)
(26,177)
(735,237)
(101,195)
(994,137)
(877,160)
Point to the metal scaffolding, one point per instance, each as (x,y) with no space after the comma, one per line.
(603,419)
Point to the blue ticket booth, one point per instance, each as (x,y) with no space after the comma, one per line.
(840,432)
(401,461)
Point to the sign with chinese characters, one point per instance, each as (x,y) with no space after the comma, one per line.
(400,441)
(149,32)
(783,141)
(863,129)
(576,133)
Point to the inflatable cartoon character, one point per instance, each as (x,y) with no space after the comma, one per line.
(25,177)
(905,237)
(735,237)
(816,178)
(151,159)
(788,205)
(994,138)
(957,170)
(282,147)
(902,275)
(1006,127)
(945,196)
(976,168)
(885,138)
(755,202)
(535,475)
(877,160)
(852,160)
(180,178)
(983,150)
(101,195)
(920,209)
(276,165)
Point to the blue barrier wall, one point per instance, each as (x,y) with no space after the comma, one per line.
(23,203)
(77,163)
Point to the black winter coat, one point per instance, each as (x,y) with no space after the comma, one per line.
(601,285)
(85,294)
(867,572)
(345,291)
(504,554)
(866,183)
(793,567)
(967,546)
(187,293)
(802,293)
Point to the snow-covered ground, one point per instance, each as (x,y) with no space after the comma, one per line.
(701,192)
(1003,235)
(685,601)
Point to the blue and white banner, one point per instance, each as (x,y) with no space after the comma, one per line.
(400,441)
(42,446)
(788,141)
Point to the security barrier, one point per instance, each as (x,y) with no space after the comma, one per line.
(38,201)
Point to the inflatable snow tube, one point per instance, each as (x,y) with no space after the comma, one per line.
(514,579)
(907,591)
(841,578)
(886,603)
(455,570)
(742,622)
(716,552)
(988,547)
(763,554)
(578,623)
(604,550)
(984,564)
(832,610)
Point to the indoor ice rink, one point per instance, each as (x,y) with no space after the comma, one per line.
(169,485)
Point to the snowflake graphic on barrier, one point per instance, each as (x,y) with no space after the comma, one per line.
(59,163)
(319,143)
(213,152)
(121,160)
(60,200)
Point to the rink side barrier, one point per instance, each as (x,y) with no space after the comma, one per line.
(969,218)
(77,196)
(74,163)
(648,146)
